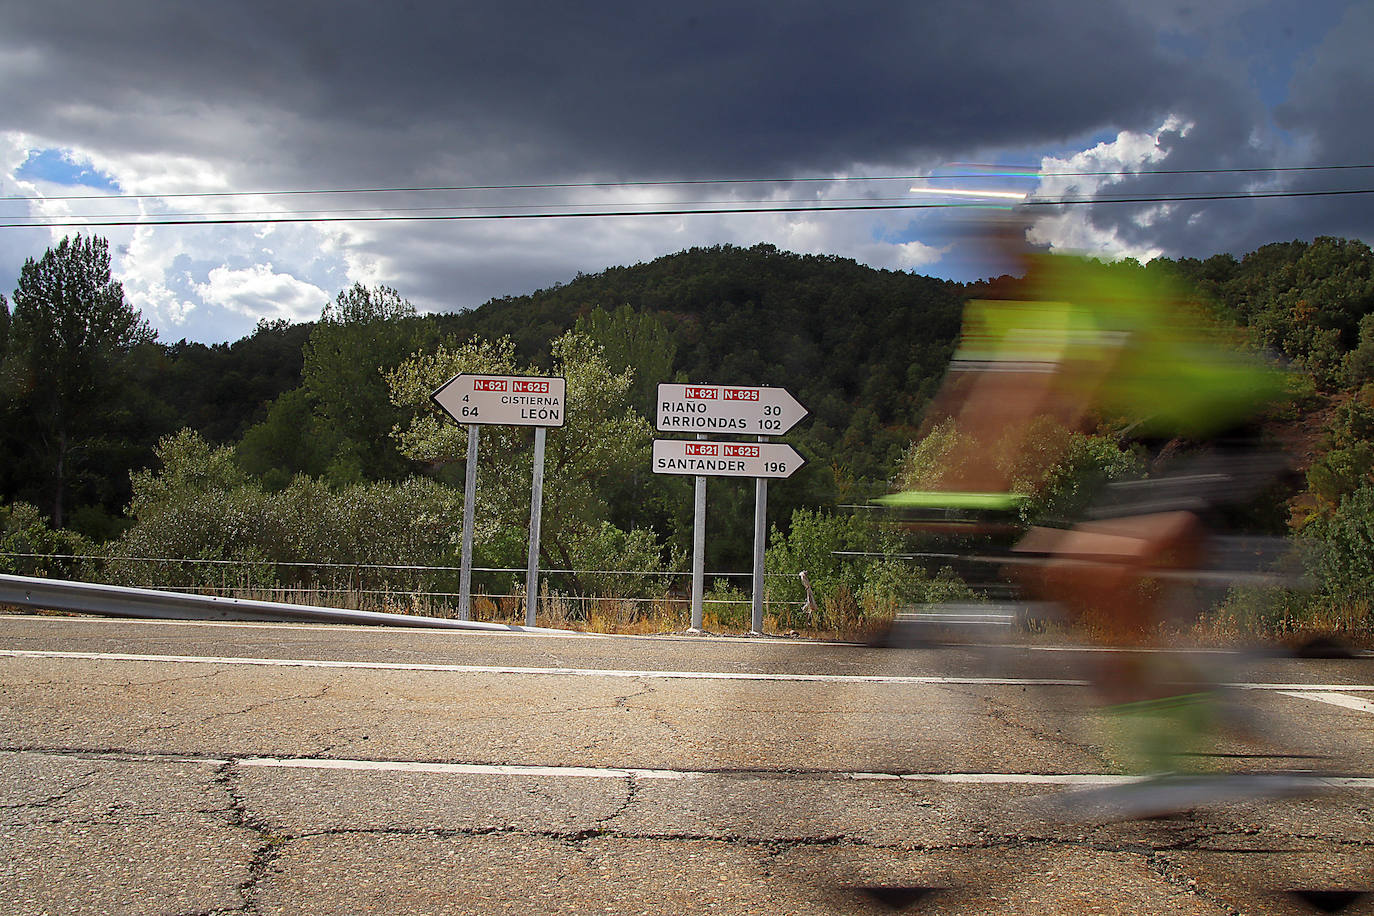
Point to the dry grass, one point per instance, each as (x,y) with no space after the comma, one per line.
(845,617)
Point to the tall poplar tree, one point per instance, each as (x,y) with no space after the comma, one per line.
(70,328)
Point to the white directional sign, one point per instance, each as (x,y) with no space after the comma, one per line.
(727,409)
(504,400)
(699,458)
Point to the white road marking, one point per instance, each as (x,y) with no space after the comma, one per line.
(577,772)
(564,672)
(699,639)
(464,769)
(1335,699)
(1314,781)
(540,632)
(914,679)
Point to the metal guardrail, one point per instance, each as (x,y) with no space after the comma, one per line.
(121,601)
(390,567)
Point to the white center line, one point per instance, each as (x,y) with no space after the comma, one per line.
(1314,781)
(556,771)
(1335,699)
(913,679)
(563,672)
(464,769)
(581,772)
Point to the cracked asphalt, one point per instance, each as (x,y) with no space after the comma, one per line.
(200,786)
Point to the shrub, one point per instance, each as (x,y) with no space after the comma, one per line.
(29,546)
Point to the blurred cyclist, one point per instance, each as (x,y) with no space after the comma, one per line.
(1090,343)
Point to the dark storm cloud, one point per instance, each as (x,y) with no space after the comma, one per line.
(1329,109)
(557,89)
(1218,132)
(1323,121)
(176,96)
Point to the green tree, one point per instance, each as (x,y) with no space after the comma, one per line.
(291,440)
(1304,299)
(1062,471)
(633,340)
(361,335)
(429,436)
(933,458)
(604,549)
(30,547)
(1346,462)
(1340,472)
(69,331)
(199,505)
(1358,364)
(603,439)
(1341,545)
(816,542)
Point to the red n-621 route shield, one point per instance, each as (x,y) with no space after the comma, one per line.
(700,458)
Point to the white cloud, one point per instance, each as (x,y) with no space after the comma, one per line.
(144,267)
(161,173)
(1070,229)
(14,150)
(16,244)
(260,292)
(208,283)
(918,254)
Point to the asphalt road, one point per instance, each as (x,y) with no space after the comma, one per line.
(198,768)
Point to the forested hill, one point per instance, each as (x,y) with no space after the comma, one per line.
(862,349)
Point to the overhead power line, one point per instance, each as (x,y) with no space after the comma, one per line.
(1011,171)
(455,208)
(79,223)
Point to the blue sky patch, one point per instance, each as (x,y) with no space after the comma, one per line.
(60,167)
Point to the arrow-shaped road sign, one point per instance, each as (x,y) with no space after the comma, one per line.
(699,458)
(727,409)
(504,400)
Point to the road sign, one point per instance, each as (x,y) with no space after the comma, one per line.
(504,400)
(727,409)
(701,458)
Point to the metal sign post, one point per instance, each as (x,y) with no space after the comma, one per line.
(536,513)
(699,459)
(760,544)
(469,514)
(698,549)
(732,410)
(503,400)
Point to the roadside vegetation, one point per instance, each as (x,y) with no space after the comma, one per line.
(306,463)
